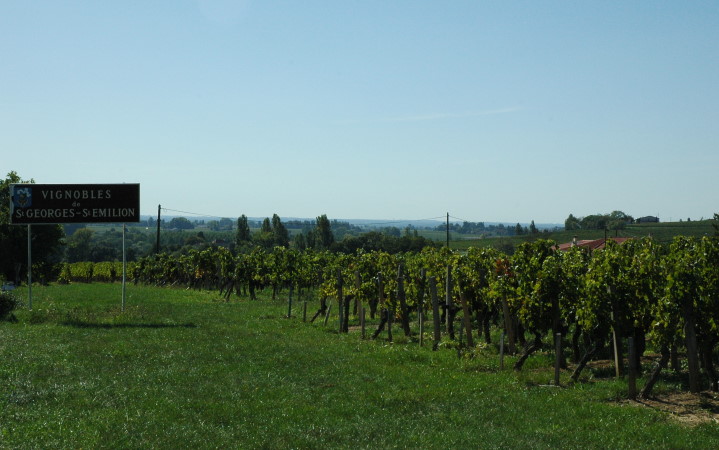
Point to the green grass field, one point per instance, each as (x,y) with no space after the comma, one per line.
(182,369)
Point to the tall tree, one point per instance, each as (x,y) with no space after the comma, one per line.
(266,226)
(79,245)
(243,231)
(265,238)
(324,235)
(572,223)
(243,237)
(311,239)
(279,232)
(300,242)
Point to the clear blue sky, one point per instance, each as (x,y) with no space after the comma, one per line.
(489,110)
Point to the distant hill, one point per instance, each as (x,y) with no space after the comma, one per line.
(364,223)
(436,223)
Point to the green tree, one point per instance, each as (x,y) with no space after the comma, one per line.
(618,220)
(311,239)
(324,235)
(243,236)
(300,242)
(46,240)
(265,238)
(280,234)
(266,226)
(532,228)
(79,245)
(104,251)
(572,223)
(181,223)
(225,224)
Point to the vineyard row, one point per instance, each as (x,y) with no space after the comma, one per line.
(666,296)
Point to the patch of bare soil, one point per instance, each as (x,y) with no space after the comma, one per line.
(689,409)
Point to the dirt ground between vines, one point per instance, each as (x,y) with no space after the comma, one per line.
(685,407)
(689,409)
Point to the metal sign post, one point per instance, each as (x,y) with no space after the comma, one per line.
(124,266)
(29,266)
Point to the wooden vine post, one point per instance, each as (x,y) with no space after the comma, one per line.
(466,320)
(617,346)
(557,357)
(359,306)
(501,350)
(390,320)
(327,315)
(380,302)
(632,382)
(340,300)
(362,320)
(691,343)
(289,301)
(435,312)
(387,313)
(346,319)
(449,316)
(420,304)
(508,325)
(380,291)
(401,296)
(358,300)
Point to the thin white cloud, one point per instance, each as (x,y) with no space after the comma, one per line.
(436,116)
(442,116)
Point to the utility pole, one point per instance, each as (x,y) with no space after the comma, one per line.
(157,244)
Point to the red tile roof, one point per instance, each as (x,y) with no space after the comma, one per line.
(595,244)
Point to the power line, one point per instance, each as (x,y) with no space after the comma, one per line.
(402,221)
(193,213)
(457,218)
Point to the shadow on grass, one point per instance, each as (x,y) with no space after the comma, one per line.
(84,324)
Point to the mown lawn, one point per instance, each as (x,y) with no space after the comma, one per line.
(183,369)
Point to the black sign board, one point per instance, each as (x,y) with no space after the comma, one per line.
(74,203)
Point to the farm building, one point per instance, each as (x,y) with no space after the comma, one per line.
(648,219)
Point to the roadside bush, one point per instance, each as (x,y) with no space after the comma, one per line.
(8,303)
(65,276)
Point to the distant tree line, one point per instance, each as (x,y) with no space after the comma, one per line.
(320,235)
(616,220)
(489,230)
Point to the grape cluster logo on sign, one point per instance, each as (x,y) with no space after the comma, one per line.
(22,198)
